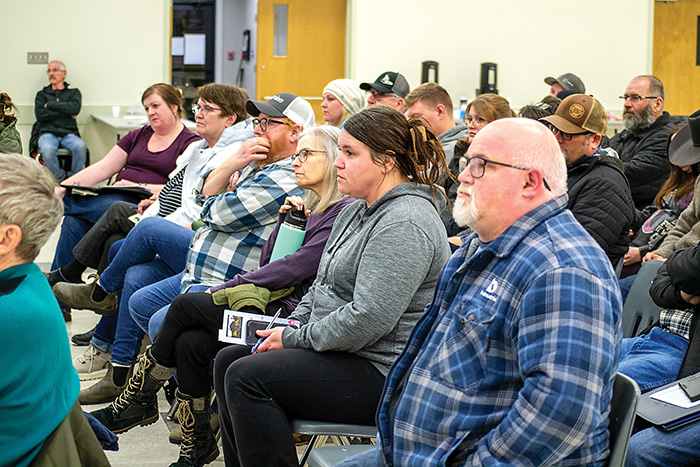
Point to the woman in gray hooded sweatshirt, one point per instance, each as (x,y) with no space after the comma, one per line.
(375,278)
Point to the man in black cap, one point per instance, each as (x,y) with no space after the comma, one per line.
(599,194)
(565,82)
(390,89)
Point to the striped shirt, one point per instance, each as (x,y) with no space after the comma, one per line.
(514,361)
(170,197)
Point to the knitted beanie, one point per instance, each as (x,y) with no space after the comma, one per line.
(348,92)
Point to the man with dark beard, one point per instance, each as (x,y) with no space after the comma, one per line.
(642,145)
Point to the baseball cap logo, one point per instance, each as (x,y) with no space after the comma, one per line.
(386,80)
(277,99)
(576,111)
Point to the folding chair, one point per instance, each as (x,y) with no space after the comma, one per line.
(639,310)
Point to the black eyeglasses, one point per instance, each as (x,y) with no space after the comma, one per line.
(304,154)
(565,136)
(265,122)
(204,108)
(634,98)
(378,95)
(477,167)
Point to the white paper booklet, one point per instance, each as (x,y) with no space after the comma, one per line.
(239,327)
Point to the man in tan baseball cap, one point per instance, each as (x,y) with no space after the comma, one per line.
(599,193)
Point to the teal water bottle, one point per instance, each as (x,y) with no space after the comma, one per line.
(290,235)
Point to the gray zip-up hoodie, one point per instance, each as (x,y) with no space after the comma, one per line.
(449,138)
(375,278)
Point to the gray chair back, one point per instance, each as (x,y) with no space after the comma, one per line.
(639,310)
(623,408)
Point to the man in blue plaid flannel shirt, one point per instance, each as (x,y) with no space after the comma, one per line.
(514,361)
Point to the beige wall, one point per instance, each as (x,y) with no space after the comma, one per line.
(116,48)
(604,42)
(113,50)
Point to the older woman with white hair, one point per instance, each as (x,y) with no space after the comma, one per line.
(36,395)
(342,98)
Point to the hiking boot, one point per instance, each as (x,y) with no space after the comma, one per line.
(175,436)
(92,364)
(198,442)
(138,403)
(103,391)
(83,339)
(80,296)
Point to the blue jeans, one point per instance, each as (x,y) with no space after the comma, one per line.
(48,146)
(626,285)
(150,237)
(369,458)
(107,326)
(149,305)
(80,214)
(653,359)
(154,249)
(654,447)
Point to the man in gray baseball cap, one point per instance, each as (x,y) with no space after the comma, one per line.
(390,89)
(565,82)
(284,104)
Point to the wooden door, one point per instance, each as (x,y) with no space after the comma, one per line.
(314,53)
(676,59)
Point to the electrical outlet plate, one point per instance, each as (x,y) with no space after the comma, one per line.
(37,58)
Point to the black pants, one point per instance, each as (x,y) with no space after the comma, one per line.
(188,341)
(259,394)
(93,249)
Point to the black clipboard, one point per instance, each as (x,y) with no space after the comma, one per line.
(664,415)
(136,192)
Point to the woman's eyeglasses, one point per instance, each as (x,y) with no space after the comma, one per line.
(304,154)
(204,108)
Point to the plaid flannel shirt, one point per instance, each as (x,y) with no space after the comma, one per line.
(676,322)
(514,361)
(237,224)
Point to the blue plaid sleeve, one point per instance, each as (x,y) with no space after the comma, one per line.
(255,200)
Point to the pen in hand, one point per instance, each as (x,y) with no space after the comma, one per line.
(269,326)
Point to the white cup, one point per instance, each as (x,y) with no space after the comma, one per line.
(115,111)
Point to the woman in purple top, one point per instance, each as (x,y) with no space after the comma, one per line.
(187,340)
(144,157)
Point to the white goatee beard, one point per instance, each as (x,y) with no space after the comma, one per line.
(465,211)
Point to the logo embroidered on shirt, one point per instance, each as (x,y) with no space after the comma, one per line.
(493,286)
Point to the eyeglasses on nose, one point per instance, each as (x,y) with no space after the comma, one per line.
(304,154)
(204,108)
(477,167)
(634,98)
(265,123)
(379,95)
(563,135)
